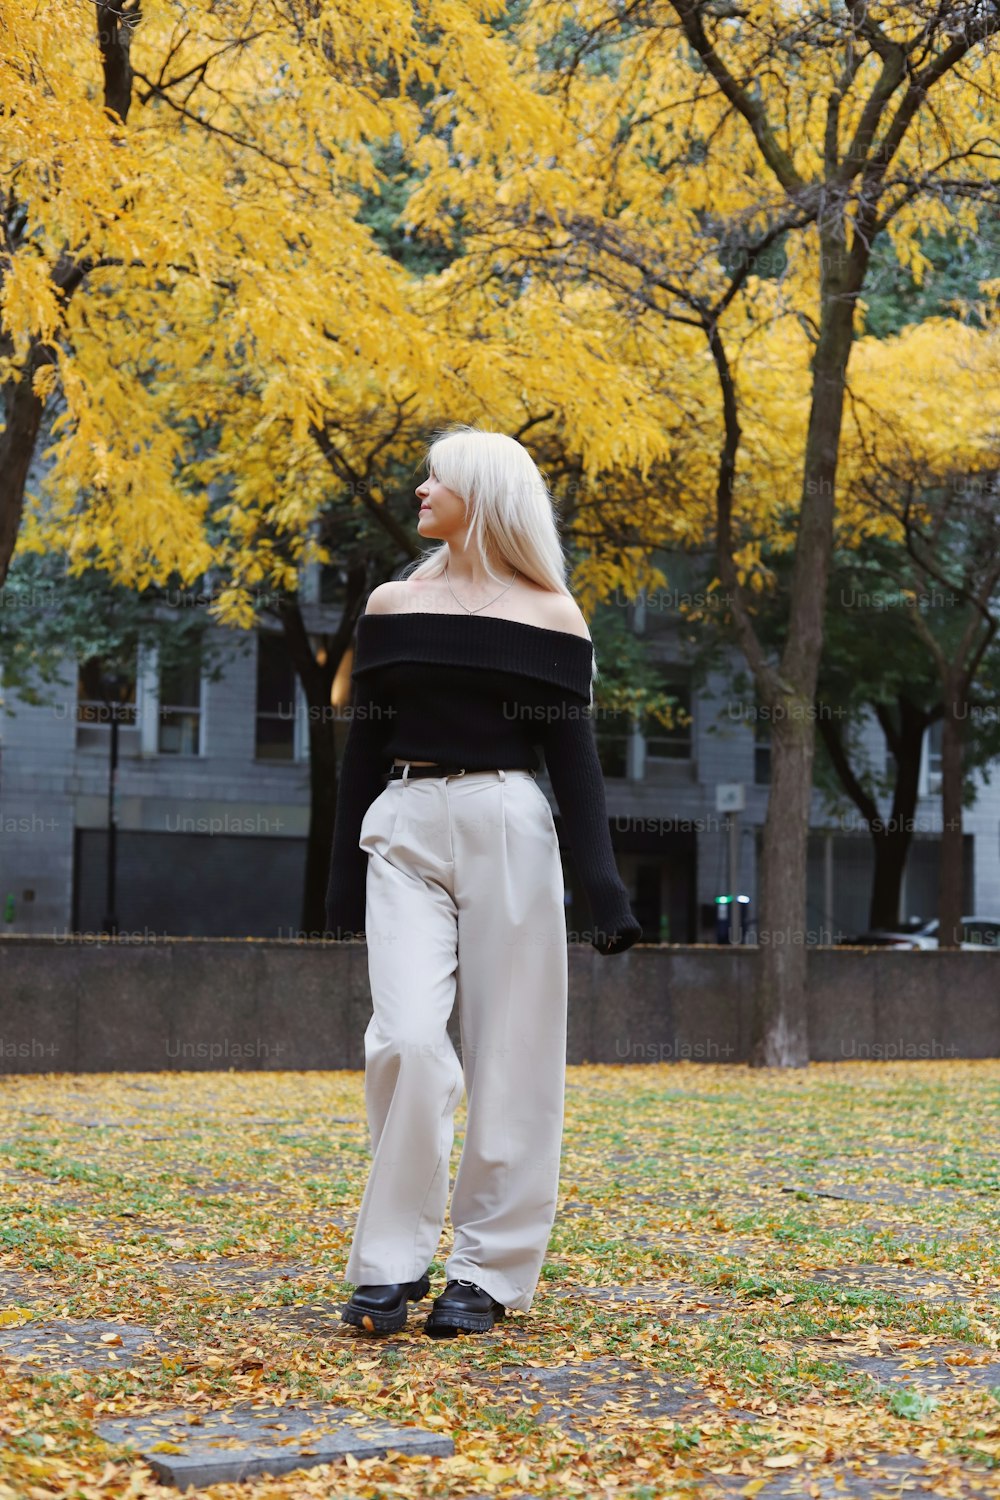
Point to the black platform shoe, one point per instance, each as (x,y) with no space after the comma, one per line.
(382,1308)
(463,1307)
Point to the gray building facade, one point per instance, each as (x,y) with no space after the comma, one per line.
(212,803)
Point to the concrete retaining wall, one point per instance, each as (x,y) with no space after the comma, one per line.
(216,1003)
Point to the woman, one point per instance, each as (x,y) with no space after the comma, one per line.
(445,858)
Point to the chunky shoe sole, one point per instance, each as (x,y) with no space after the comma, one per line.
(442,1324)
(388,1319)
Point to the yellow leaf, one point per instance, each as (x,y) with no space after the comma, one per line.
(14,1317)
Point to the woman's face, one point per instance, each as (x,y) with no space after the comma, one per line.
(442,512)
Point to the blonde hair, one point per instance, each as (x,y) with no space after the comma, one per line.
(508,504)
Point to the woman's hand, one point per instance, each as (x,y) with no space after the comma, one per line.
(608,943)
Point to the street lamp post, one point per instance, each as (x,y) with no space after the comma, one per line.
(111,687)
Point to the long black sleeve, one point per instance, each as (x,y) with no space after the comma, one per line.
(362,777)
(578,784)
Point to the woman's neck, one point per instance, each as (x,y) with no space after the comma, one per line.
(469,575)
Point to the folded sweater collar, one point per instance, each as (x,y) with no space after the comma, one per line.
(487,641)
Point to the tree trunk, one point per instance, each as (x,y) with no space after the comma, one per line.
(316,678)
(23,418)
(890,848)
(890,838)
(781,1035)
(780,1029)
(951,895)
(892,844)
(316,673)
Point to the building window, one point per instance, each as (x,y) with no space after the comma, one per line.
(612,730)
(664,744)
(761,752)
(332,584)
(930,766)
(180,709)
(103,695)
(276,696)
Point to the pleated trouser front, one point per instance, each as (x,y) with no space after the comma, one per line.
(464,903)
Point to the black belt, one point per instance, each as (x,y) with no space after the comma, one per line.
(443,770)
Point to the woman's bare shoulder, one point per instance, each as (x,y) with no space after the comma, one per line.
(531,605)
(386,598)
(561,612)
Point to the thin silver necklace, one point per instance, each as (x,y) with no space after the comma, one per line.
(478,606)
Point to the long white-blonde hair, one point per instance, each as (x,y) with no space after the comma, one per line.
(507,501)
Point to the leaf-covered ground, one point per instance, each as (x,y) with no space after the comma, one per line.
(758,1284)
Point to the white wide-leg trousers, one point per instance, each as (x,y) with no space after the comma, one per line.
(464,901)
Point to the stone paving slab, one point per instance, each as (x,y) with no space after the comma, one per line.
(241,1275)
(910,1196)
(85,1344)
(42,1180)
(680,1299)
(18,1177)
(919,1234)
(894,1162)
(615,1391)
(321,1319)
(221,1187)
(118,1229)
(899,1281)
(926,1367)
(884,1477)
(703,1245)
(87,1121)
(19,1286)
(246,1440)
(734,1200)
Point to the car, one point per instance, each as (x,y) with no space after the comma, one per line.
(980,934)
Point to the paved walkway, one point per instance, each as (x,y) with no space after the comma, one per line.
(756,1285)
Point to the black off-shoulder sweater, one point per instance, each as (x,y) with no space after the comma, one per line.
(477,691)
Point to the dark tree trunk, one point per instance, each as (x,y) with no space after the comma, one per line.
(23,418)
(317,681)
(780,1037)
(892,844)
(890,837)
(317,678)
(116,21)
(780,1029)
(891,849)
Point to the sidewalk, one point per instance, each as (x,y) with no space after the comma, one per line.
(757,1284)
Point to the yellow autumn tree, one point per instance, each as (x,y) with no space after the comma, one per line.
(187,273)
(726,174)
(928,474)
(654,226)
(223,362)
(182,192)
